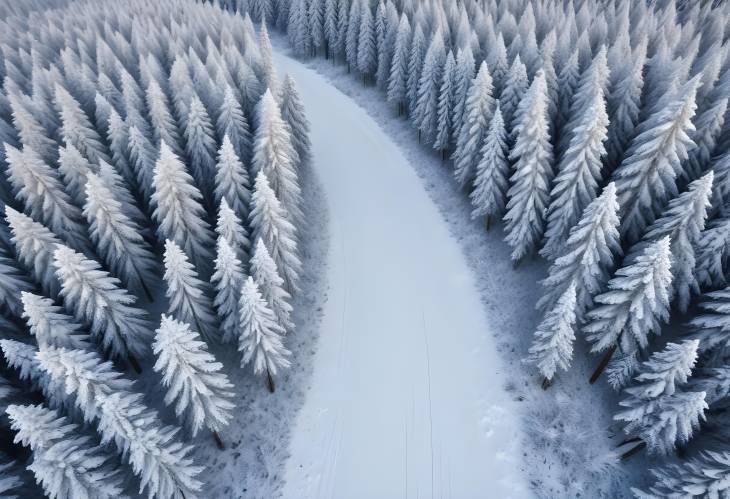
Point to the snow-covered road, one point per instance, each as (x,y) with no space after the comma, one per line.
(407,397)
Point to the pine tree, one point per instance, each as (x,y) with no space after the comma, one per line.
(260,339)
(37,185)
(142,155)
(579,171)
(513,92)
(164,126)
(117,237)
(33,135)
(646,177)
(477,112)
(398,80)
(231,180)
(268,73)
(161,462)
(232,123)
(200,145)
(76,128)
(426,111)
(227,279)
(186,293)
(66,463)
(490,184)
(22,358)
(713,254)
(528,193)
(178,212)
(229,227)
(34,245)
(552,347)
(712,324)
(366,44)
(415,67)
(462,81)
(192,378)
(444,125)
(386,44)
(49,325)
(118,138)
(636,302)
(269,222)
(655,410)
(683,221)
(589,255)
(73,168)
(105,307)
(292,112)
(706,475)
(271,285)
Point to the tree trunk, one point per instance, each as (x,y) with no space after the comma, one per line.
(134,363)
(603,364)
(629,441)
(489,222)
(270,382)
(632,451)
(218,440)
(546,383)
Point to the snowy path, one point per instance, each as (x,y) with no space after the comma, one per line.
(407,395)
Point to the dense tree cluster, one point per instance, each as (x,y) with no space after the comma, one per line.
(148,153)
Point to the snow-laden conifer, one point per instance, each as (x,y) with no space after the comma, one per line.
(398,79)
(12,283)
(260,340)
(426,111)
(76,128)
(415,66)
(464,74)
(229,227)
(292,112)
(705,475)
(445,108)
(232,123)
(227,279)
(164,126)
(271,285)
(367,56)
(50,325)
(492,172)
(711,325)
(73,168)
(194,383)
(200,145)
(66,463)
(513,92)
(22,358)
(713,254)
(231,180)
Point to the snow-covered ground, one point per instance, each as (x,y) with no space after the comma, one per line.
(408,395)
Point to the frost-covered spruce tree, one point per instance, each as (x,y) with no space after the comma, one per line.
(444,111)
(193,380)
(34,246)
(73,168)
(117,237)
(164,126)
(705,475)
(160,461)
(50,325)
(426,111)
(367,57)
(229,227)
(268,72)
(142,155)
(37,185)
(269,222)
(646,177)
(232,123)
(186,293)
(275,156)
(118,139)
(513,92)
(22,358)
(231,180)
(683,221)
(711,325)
(106,308)
(292,112)
(464,74)
(636,301)
(552,346)
(177,207)
(477,112)
(589,255)
(532,153)
(227,279)
(260,339)
(271,285)
(66,463)
(492,171)
(398,79)
(200,145)
(12,283)
(11,482)
(415,66)
(713,254)
(656,410)
(76,128)
(579,171)
(31,132)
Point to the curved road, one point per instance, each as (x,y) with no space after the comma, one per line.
(406,399)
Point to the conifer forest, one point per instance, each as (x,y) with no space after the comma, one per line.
(364,249)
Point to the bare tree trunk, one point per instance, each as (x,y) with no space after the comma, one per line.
(603,364)
(546,383)
(270,382)
(634,450)
(134,363)
(489,222)
(218,440)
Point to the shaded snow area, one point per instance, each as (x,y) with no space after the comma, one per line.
(419,387)
(409,397)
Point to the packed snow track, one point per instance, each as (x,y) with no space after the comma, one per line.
(407,398)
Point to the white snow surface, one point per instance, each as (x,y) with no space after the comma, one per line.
(407,397)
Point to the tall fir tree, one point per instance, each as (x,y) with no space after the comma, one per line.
(227,279)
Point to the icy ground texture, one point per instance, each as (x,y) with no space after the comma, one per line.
(411,307)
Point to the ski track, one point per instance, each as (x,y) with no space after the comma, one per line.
(406,370)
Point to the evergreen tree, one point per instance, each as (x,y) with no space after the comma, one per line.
(66,463)
(636,302)
(271,285)
(268,73)
(444,111)
(490,184)
(106,308)
(462,81)
(164,126)
(260,339)
(22,358)
(178,212)
(579,171)
(415,66)
(200,145)
(367,57)
(76,128)
(712,324)
(398,80)
(33,135)
(712,254)
(646,177)
(353,33)
(161,462)
(186,293)
(73,168)
(232,123)
(513,92)
(706,475)
(50,326)
(477,112)
(227,279)
(229,227)
(426,112)
(269,222)
(192,378)
(275,156)
(292,112)
(231,180)
(12,283)
(552,347)
(528,193)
